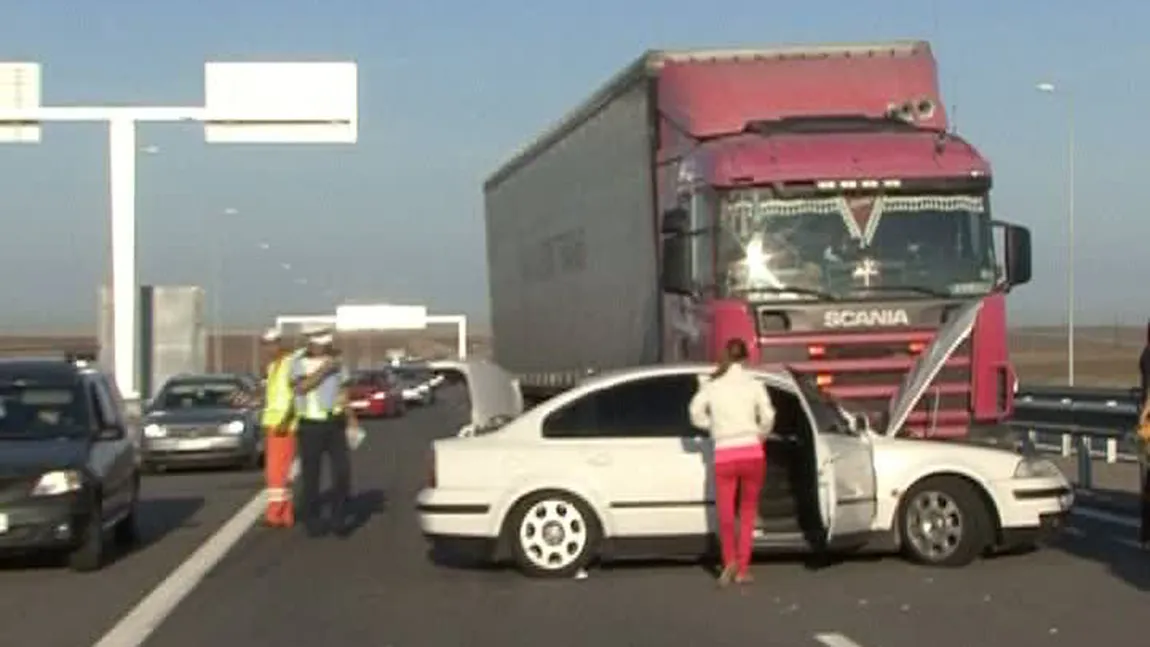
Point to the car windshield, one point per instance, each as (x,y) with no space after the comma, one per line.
(36,410)
(216,394)
(368,378)
(412,375)
(845,246)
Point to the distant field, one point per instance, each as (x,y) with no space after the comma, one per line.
(1104,356)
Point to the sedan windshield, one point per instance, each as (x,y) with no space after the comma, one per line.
(843,247)
(37,410)
(199,395)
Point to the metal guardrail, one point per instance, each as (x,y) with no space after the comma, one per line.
(1089,423)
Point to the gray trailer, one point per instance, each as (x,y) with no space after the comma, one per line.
(571,241)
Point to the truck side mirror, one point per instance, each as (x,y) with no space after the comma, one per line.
(676,268)
(1018,255)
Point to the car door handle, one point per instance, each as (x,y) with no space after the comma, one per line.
(599,460)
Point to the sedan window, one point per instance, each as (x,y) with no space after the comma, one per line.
(653,407)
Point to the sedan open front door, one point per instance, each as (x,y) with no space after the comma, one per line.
(844,470)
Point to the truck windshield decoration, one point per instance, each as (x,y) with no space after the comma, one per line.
(843,247)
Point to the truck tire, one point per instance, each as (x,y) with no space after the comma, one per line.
(944,522)
(552,534)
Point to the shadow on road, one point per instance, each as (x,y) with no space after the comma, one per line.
(363,506)
(157,518)
(1115,546)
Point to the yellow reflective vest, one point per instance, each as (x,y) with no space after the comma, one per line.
(279,400)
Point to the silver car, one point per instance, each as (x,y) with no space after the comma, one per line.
(203,421)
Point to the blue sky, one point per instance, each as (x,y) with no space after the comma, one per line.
(448,89)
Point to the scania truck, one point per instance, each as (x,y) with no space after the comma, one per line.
(810,200)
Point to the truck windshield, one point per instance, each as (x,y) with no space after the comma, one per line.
(843,247)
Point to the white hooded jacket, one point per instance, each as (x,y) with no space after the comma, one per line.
(734,408)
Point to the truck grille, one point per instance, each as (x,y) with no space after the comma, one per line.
(865,371)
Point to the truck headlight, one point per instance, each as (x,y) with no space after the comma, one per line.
(234,427)
(58,482)
(155,431)
(1031,468)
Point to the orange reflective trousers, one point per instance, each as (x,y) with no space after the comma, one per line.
(279,455)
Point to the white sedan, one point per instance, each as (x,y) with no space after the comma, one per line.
(613,468)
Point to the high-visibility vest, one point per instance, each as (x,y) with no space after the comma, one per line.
(315,411)
(278,396)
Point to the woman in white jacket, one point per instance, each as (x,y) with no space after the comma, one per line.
(735,408)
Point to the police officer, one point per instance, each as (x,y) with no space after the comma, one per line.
(279,426)
(318,379)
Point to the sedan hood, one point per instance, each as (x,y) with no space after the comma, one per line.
(193,416)
(492,392)
(29,457)
(918,379)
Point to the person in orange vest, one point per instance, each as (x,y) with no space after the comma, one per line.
(279,426)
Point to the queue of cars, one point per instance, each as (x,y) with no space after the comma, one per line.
(613,467)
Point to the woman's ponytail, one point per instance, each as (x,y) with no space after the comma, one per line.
(735,352)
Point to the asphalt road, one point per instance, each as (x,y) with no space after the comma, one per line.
(380,587)
(46,605)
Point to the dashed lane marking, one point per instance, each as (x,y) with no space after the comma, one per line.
(139,623)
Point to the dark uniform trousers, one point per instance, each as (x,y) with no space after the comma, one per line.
(314,440)
(1144,469)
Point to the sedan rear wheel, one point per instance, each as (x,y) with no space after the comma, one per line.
(553,534)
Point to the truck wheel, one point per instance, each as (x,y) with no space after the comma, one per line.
(944,522)
(552,534)
(89,555)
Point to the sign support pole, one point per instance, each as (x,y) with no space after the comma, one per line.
(122,183)
(275,102)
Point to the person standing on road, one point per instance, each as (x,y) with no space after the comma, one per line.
(279,426)
(1144,367)
(319,380)
(735,408)
(1144,473)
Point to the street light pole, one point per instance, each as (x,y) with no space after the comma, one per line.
(217,294)
(1050,88)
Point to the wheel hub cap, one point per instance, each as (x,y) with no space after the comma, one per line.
(553,533)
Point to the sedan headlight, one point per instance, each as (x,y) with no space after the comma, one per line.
(155,431)
(234,427)
(1032,468)
(58,482)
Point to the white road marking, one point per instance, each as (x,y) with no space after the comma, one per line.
(139,623)
(1106,517)
(836,640)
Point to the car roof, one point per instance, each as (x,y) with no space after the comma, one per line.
(41,368)
(208,377)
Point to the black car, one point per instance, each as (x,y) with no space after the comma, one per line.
(69,470)
(203,421)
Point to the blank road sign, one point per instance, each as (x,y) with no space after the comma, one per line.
(380,317)
(19,90)
(308,102)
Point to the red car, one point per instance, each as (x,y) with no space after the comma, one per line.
(375,394)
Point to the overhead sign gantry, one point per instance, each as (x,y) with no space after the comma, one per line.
(245,103)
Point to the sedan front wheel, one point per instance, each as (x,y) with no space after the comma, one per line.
(944,522)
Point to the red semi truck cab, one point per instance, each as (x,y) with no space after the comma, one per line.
(815,205)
